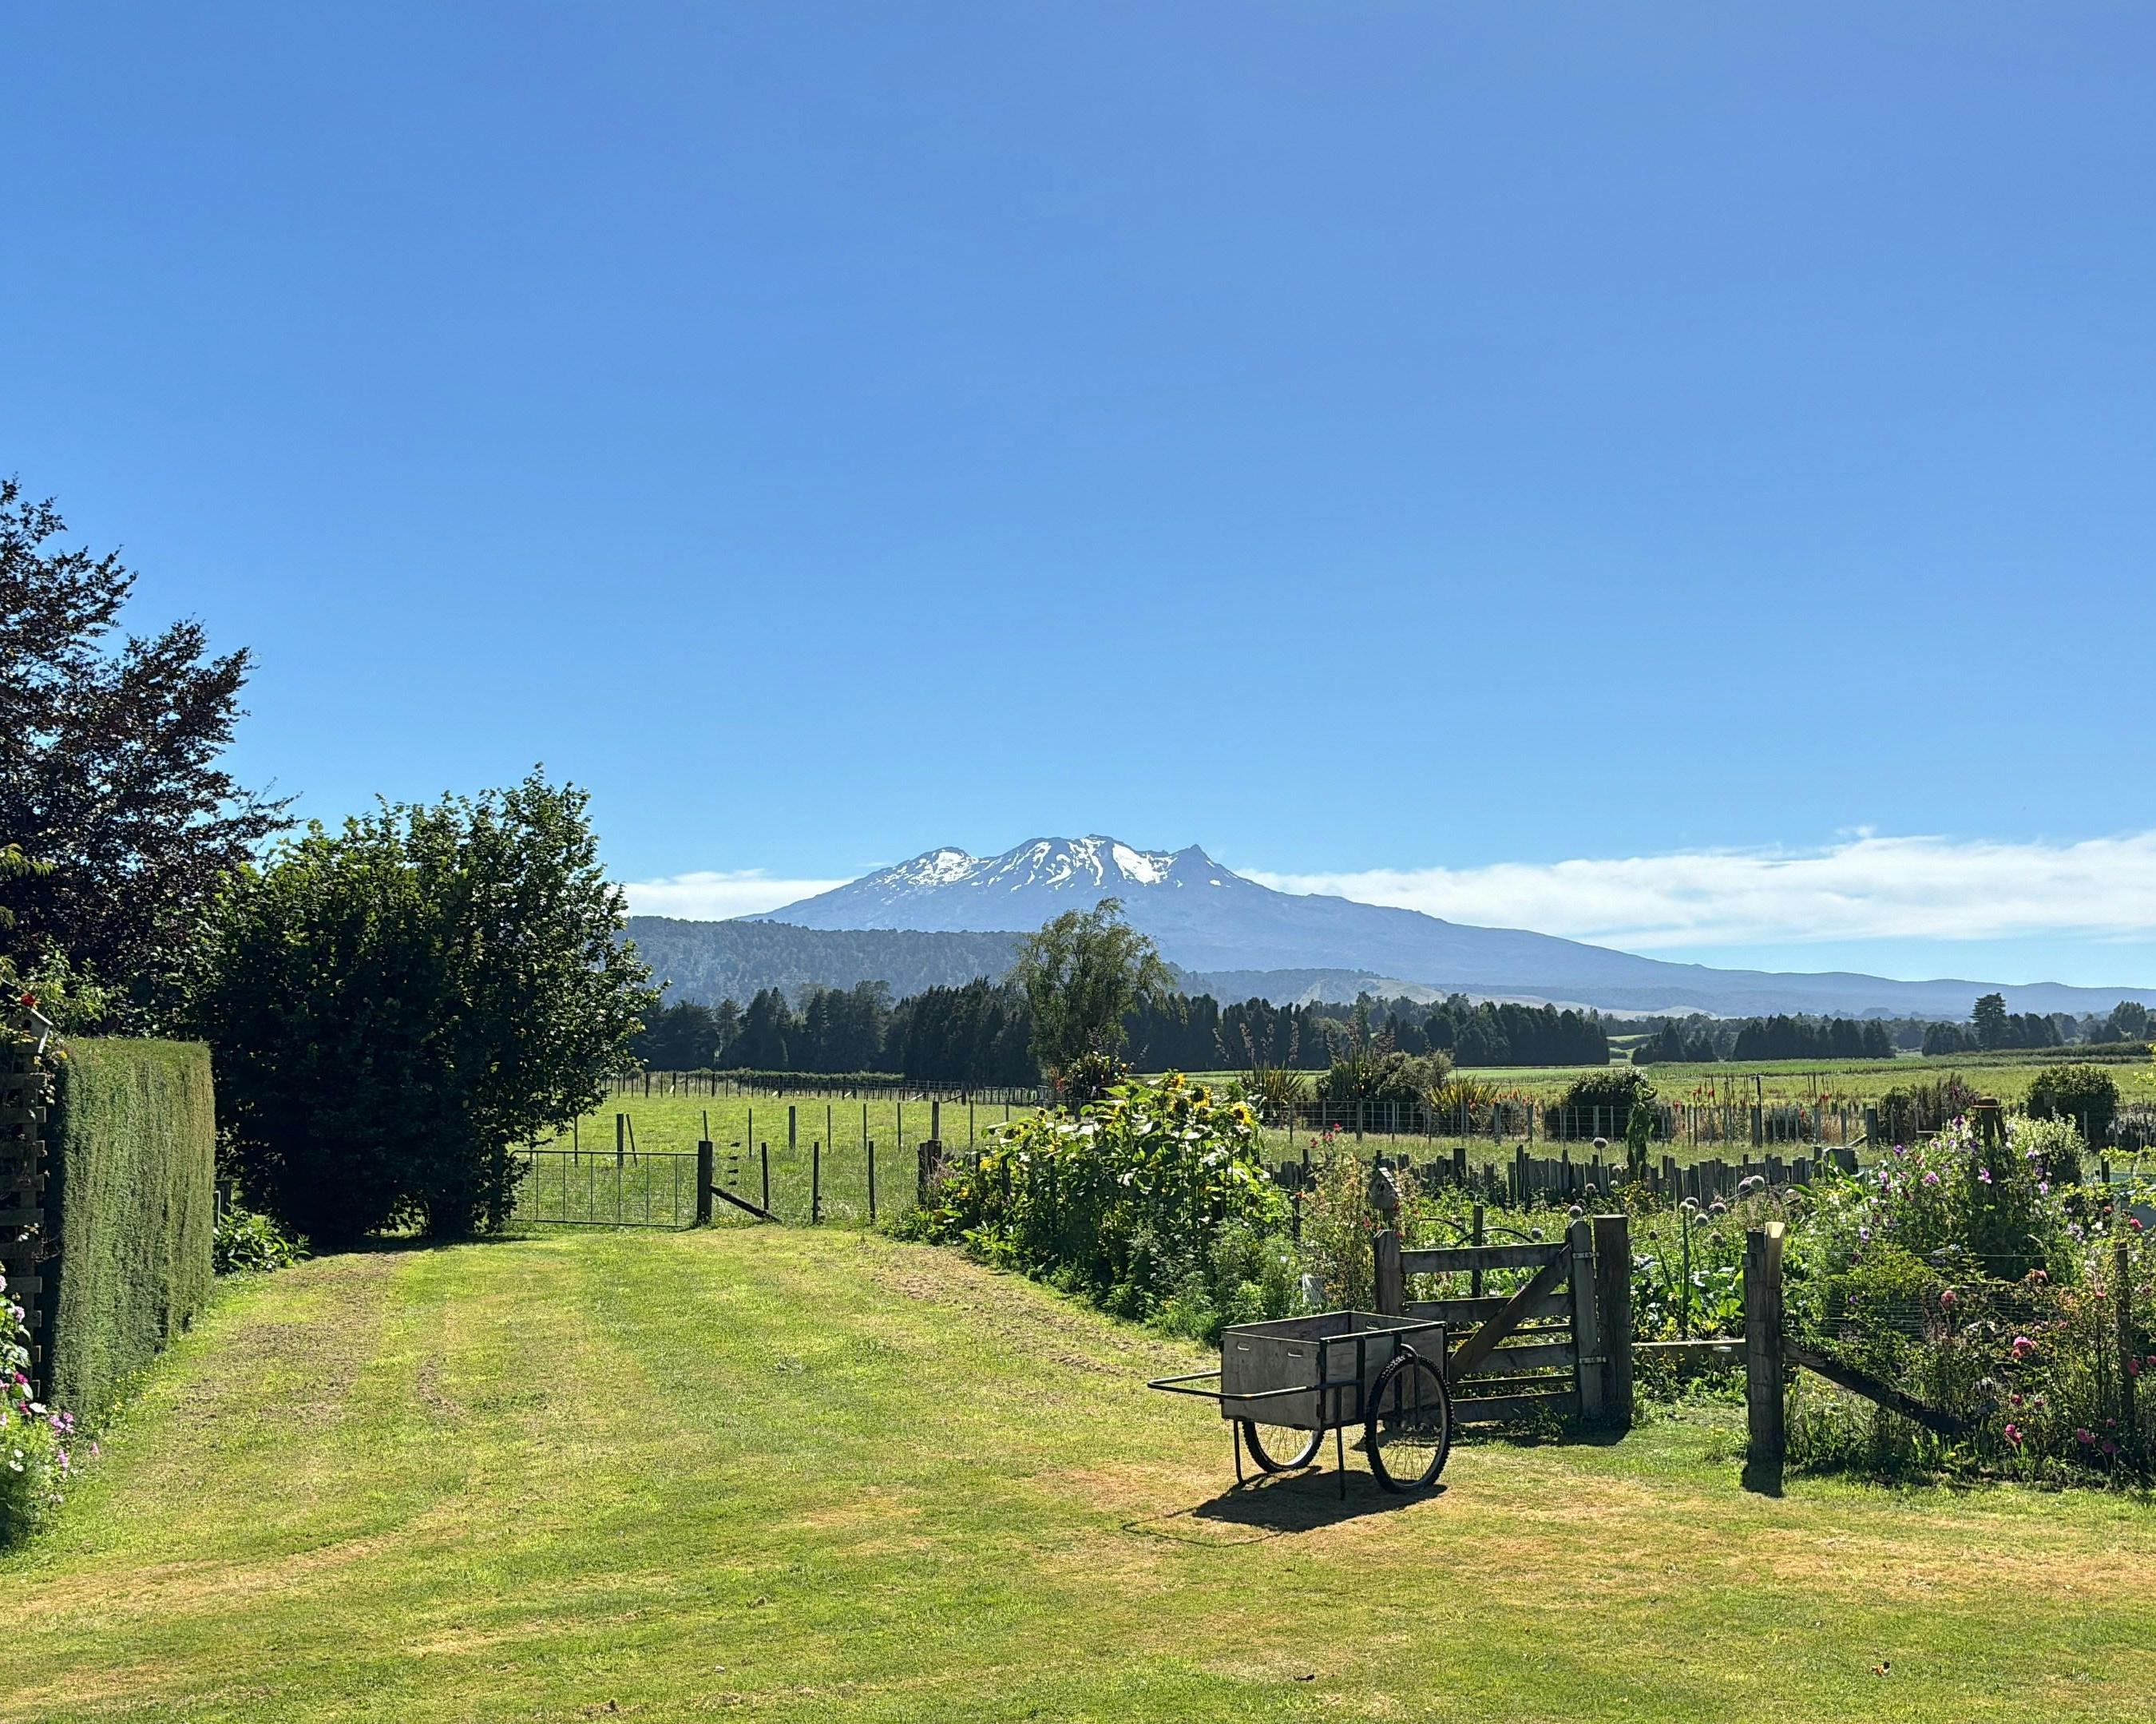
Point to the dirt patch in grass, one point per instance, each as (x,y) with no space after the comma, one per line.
(305,1347)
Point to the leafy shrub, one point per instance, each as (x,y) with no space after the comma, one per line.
(2086,1094)
(395,1005)
(1600,1104)
(1339,1222)
(1126,1200)
(1909,1112)
(247,1242)
(1248,1277)
(1380,1078)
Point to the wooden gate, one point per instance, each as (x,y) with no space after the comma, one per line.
(1559,1344)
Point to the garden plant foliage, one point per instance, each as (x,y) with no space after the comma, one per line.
(1973,1272)
(1152,1201)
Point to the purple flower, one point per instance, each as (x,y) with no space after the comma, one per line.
(1930,1179)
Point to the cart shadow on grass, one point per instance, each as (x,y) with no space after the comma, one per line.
(1274,1508)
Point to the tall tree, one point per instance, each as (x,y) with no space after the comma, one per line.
(1991,1019)
(1082,975)
(394,1006)
(109,773)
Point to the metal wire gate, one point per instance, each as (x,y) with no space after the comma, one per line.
(618,1188)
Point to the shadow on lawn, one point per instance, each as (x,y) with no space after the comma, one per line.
(1274,1507)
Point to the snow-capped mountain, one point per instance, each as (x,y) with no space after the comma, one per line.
(1019,889)
(1206,917)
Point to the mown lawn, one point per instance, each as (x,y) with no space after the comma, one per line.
(796,1475)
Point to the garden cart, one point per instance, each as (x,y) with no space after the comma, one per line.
(1298,1377)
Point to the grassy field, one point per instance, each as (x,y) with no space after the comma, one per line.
(2006,1076)
(790,1474)
(738,1124)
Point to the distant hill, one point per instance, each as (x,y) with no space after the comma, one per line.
(1209,919)
(710,962)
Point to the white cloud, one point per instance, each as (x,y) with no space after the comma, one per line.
(713,896)
(1868,888)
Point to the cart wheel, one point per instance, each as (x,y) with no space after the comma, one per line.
(1408,1432)
(1268,1463)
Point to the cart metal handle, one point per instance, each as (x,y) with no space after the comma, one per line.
(1174,1386)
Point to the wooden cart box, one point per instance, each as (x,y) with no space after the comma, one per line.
(1341,1350)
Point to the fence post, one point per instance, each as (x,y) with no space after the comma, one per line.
(928,1171)
(1763,1385)
(1475,1275)
(815,1181)
(872,1212)
(1613,1291)
(705,1178)
(1588,1357)
(763,1154)
(1390,1296)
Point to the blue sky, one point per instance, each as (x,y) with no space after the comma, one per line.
(1402,448)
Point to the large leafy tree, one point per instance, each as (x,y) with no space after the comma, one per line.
(108,774)
(396,1005)
(1082,975)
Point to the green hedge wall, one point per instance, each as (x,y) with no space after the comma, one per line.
(131,1199)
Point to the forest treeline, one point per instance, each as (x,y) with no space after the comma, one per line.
(978,1032)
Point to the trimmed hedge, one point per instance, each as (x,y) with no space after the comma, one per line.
(131,1201)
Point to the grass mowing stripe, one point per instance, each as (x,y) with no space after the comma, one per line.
(801,1475)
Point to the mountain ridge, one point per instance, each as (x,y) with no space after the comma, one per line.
(1207,918)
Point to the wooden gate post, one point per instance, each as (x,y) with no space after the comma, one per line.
(1613,1295)
(928,1171)
(1390,1296)
(706,1177)
(1764,1383)
(1588,1359)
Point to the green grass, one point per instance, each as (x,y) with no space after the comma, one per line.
(806,1476)
(2006,1076)
(738,1125)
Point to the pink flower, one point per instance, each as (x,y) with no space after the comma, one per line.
(2013,1434)
(2110,1447)
(1983,1175)
(2023,1346)
(1948,1297)
(2084,1435)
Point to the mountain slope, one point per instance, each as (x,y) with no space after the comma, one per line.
(1207,917)
(710,962)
